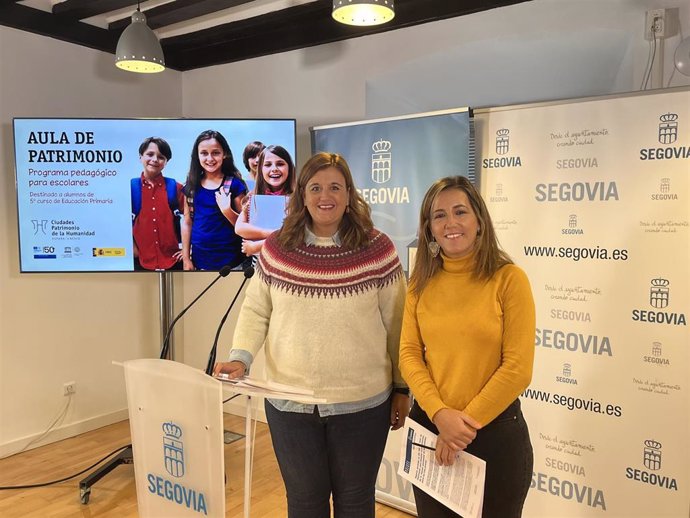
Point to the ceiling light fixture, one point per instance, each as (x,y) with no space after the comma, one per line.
(138,49)
(363,12)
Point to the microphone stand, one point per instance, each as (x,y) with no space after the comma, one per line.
(126,456)
(248,273)
(228,436)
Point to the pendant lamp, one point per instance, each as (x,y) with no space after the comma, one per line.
(138,49)
(363,12)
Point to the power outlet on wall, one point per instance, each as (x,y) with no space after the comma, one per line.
(655,24)
(69,388)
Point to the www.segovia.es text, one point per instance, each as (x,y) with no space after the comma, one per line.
(574,403)
(577,253)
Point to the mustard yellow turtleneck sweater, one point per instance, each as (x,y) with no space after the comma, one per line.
(476,336)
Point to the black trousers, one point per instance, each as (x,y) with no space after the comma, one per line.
(505,446)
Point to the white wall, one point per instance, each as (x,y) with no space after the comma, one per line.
(64,328)
(58,328)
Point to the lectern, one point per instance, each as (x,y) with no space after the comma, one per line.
(176,421)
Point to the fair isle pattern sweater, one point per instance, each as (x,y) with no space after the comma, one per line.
(329,318)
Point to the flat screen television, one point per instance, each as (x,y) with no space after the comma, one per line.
(75,190)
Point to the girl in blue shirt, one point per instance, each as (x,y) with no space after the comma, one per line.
(213,200)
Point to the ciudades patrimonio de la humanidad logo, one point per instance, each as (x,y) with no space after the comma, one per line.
(667,135)
(174,460)
(659,298)
(381,173)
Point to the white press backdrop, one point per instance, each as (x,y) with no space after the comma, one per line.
(591,198)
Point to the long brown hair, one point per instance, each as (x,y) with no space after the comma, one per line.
(356,225)
(489,256)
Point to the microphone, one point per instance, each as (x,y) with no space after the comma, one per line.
(248,273)
(224,271)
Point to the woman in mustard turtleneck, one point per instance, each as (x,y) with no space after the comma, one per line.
(467,346)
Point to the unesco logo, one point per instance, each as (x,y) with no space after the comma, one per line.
(668,128)
(651,459)
(381,161)
(173,449)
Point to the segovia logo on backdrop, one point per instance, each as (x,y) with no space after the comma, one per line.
(667,135)
(651,460)
(659,298)
(499,195)
(665,192)
(381,161)
(567,375)
(502,149)
(174,460)
(381,173)
(572,228)
(656,356)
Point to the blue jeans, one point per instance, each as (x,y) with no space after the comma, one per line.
(505,446)
(338,455)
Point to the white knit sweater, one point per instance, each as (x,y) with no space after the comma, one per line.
(329,317)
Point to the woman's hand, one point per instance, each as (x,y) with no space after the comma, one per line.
(400,408)
(233,370)
(445,455)
(455,428)
(251,247)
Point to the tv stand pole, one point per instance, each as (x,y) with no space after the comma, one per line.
(165,302)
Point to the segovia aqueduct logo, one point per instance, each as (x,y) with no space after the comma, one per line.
(668,128)
(502,141)
(381,161)
(173,449)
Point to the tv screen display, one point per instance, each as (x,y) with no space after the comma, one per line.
(80,188)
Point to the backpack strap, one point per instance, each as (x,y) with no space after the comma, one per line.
(171,188)
(136,197)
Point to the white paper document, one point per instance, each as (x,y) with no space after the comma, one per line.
(459,487)
(271,389)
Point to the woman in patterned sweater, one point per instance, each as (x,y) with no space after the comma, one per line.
(327,307)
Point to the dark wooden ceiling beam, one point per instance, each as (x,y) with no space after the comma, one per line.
(80,9)
(41,22)
(299,27)
(179,11)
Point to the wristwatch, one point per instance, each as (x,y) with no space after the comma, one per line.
(402,390)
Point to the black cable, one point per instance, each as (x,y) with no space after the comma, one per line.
(28,486)
(652,64)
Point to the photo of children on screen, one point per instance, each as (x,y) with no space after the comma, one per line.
(214,192)
(156,210)
(264,210)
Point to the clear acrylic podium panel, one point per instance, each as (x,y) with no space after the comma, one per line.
(176,422)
